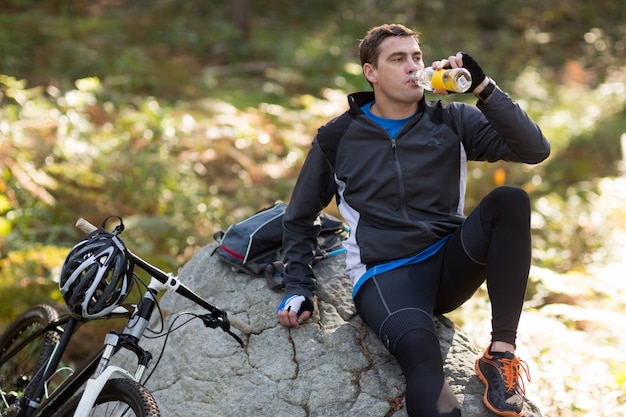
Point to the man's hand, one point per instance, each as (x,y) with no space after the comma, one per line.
(478,75)
(294,310)
(463,60)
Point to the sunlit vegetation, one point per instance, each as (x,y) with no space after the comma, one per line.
(179,119)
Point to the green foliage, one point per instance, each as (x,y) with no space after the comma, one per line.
(581,227)
(130,156)
(29,277)
(173,117)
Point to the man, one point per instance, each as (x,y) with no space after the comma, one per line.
(396,164)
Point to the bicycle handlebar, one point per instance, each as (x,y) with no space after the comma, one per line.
(219,317)
(85,226)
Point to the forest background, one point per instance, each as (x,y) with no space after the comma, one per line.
(184,117)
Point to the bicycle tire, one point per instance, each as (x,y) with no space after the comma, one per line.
(119,397)
(21,370)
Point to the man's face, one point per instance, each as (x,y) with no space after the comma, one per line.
(398,58)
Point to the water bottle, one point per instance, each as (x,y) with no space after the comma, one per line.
(457,80)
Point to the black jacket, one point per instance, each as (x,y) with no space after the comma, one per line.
(399,195)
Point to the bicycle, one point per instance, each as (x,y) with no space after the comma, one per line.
(32,346)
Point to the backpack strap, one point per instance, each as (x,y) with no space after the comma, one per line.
(273,276)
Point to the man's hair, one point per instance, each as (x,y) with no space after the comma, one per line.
(368,47)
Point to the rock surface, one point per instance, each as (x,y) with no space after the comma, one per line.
(333,366)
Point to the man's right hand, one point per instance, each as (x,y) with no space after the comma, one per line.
(294,310)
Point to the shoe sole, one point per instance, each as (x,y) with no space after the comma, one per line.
(486,402)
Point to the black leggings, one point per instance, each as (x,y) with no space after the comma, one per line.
(493,244)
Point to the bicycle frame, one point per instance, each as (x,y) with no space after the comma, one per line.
(66,326)
(67,389)
(97,371)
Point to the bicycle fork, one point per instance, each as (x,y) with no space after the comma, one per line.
(128,339)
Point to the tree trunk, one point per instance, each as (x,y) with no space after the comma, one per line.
(240,17)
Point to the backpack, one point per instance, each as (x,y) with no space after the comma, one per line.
(254,245)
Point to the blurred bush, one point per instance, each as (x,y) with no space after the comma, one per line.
(171,116)
(30,276)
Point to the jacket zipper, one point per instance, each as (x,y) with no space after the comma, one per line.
(394,148)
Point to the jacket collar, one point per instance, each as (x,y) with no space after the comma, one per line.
(358,100)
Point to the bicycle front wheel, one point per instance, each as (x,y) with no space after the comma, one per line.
(121,398)
(25,348)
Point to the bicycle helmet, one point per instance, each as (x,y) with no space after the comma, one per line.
(97,274)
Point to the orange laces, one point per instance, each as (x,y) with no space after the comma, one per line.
(510,371)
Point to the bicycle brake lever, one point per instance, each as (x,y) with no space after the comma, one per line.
(210,320)
(222,322)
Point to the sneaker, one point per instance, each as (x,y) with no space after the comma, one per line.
(500,372)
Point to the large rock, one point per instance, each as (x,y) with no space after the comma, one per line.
(333,366)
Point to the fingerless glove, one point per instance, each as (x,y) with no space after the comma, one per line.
(478,75)
(297,303)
